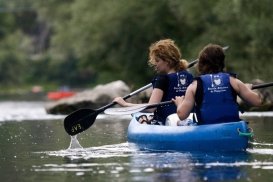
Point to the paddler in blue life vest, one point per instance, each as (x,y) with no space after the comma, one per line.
(172,79)
(213,94)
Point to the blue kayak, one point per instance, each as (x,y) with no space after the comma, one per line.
(232,136)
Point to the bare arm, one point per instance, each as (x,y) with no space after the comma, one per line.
(244,91)
(122,102)
(185,103)
(156,97)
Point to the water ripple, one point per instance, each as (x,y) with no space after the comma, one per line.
(261,151)
(105,151)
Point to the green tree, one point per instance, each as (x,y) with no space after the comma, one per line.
(89,42)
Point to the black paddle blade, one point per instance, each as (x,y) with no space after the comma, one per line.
(79,121)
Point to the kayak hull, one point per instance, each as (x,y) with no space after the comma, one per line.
(213,137)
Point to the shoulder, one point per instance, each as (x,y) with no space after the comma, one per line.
(160,81)
(231,74)
(235,83)
(160,78)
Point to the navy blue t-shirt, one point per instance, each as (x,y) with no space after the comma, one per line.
(172,85)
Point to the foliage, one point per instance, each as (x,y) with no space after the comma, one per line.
(83,43)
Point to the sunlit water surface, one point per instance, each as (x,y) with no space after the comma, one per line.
(35,147)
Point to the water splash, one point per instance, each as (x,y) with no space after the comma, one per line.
(74,143)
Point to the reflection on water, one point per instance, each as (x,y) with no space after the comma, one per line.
(37,148)
(154,166)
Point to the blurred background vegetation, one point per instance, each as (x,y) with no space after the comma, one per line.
(87,42)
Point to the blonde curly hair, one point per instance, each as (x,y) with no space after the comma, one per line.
(168,51)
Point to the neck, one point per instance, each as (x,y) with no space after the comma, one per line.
(171,71)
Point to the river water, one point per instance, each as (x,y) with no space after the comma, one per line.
(35,147)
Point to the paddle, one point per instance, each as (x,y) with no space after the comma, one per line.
(138,108)
(80,120)
(262,85)
(134,109)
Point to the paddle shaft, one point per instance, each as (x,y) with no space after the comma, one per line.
(263,85)
(258,86)
(158,104)
(125,97)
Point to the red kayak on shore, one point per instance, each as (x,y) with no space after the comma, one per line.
(59,95)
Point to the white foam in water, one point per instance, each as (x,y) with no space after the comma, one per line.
(263,144)
(258,150)
(256,164)
(105,151)
(80,167)
(261,151)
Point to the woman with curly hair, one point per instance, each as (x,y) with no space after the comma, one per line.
(172,79)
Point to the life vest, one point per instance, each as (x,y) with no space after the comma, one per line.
(177,86)
(216,99)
